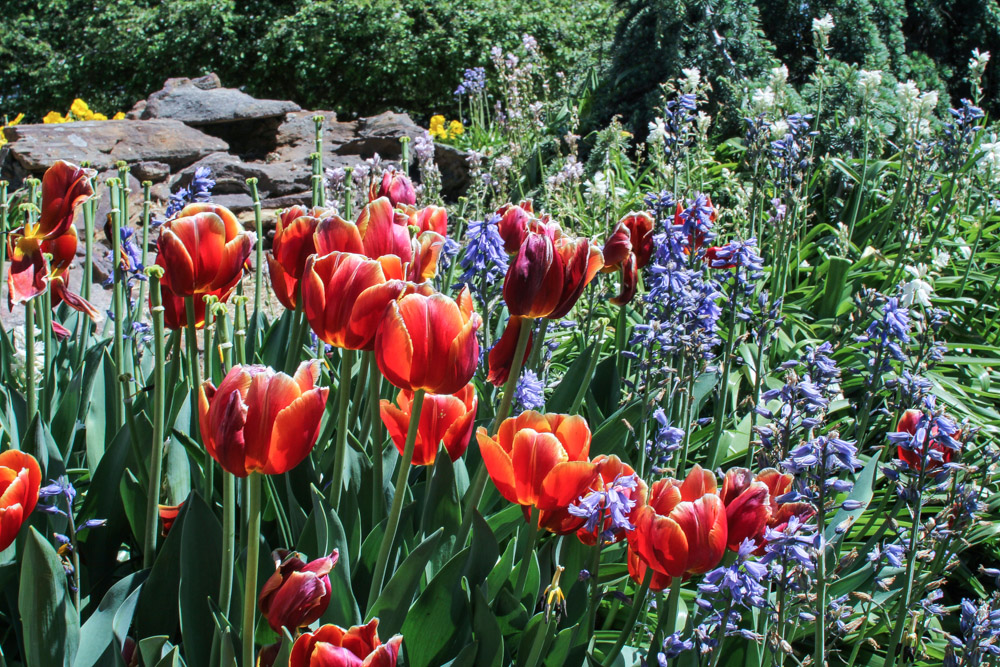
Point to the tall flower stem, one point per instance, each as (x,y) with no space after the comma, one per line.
(29,359)
(397,499)
(536,350)
(194,377)
(638,602)
(727,359)
(819,644)
(344,396)
(595,586)
(529,547)
(258,268)
(118,301)
(4,212)
(147,203)
(911,562)
(159,389)
(48,377)
(581,392)
(319,192)
(374,378)
(475,492)
(349,193)
(666,623)
(295,341)
(228,495)
(253,554)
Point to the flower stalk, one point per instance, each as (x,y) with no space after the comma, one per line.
(344,398)
(159,389)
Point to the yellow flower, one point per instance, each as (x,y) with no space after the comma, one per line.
(54,117)
(97,116)
(456,128)
(80,109)
(119,116)
(437,122)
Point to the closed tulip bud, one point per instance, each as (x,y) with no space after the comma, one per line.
(259,420)
(396,187)
(298,593)
(444,419)
(20,479)
(501,356)
(203,250)
(344,297)
(540,460)
(682,529)
(333,646)
(547,277)
(427,341)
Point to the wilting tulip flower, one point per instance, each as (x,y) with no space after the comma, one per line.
(540,460)
(64,187)
(427,341)
(203,250)
(682,529)
(396,186)
(63,251)
(344,297)
(501,356)
(546,277)
(298,593)
(628,249)
(259,420)
(20,479)
(333,646)
(444,418)
(937,452)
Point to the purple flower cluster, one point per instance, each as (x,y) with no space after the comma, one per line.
(611,503)
(790,154)
(484,263)
(200,190)
(473,81)
(979,643)
(530,391)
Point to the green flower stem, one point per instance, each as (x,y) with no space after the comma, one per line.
(29,359)
(819,644)
(206,337)
(258,265)
(359,390)
(529,548)
(374,417)
(404,149)
(159,388)
(194,379)
(727,362)
(317,179)
(666,623)
(595,586)
(536,349)
(349,192)
(147,203)
(118,301)
(228,495)
(638,602)
(397,500)
(344,396)
(581,393)
(253,554)
(48,377)
(295,342)
(4,211)
(478,485)
(539,643)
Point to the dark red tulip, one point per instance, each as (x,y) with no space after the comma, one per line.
(444,419)
(333,646)
(501,357)
(628,249)
(386,236)
(546,277)
(396,187)
(259,420)
(908,423)
(753,504)
(298,593)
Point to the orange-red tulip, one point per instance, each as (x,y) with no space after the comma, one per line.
(168,514)
(908,424)
(175,308)
(298,593)
(501,357)
(64,187)
(20,479)
(259,420)
(203,250)
(540,460)
(294,240)
(396,187)
(386,236)
(611,469)
(333,646)
(344,297)
(428,341)
(547,276)
(682,529)
(753,504)
(427,219)
(628,249)
(444,418)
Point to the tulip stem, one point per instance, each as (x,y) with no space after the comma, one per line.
(529,547)
(118,306)
(344,396)
(595,588)
(159,388)
(378,487)
(258,269)
(228,540)
(295,341)
(666,623)
(475,492)
(253,552)
(48,379)
(191,336)
(637,605)
(397,500)
(29,359)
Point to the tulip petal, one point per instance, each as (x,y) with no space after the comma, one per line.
(534,455)
(334,234)
(704,524)
(498,464)
(565,483)
(295,430)
(394,347)
(574,434)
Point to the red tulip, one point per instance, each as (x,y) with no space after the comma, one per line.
(612,468)
(298,593)
(501,357)
(682,530)
(344,296)
(428,341)
(294,240)
(748,506)
(516,221)
(63,251)
(908,423)
(175,308)
(778,484)
(64,187)
(259,420)
(386,236)
(396,186)
(332,646)
(20,479)
(444,418)
(427,219)
(546,277)
(168,514)
(628,249)
(539,460)
(697,240)
(203,250)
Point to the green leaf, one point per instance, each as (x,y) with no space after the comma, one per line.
(157,612)
(566,390)
(200,569)
(51,623)
(104,632)
(391,605)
